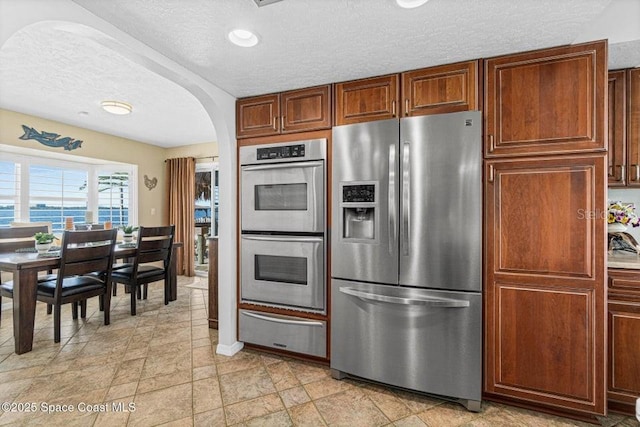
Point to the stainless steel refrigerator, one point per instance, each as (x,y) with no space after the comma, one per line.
(406,249)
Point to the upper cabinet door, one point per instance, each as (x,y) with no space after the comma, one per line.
(258,116)
(443,89)
(616,107)
(306,109)
(549,101)
(366,100)
(633,127)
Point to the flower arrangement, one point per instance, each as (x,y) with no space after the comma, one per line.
(623,213)
(44,238)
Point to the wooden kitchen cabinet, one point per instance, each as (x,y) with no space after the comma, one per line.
(633,127)
(367,100)
(617,107)
(442,89)
(549,101)
(287,112)
(624,340)
(545,323)
(258,116)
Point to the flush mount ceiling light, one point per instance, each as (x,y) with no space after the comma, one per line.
(243,38)
(410,4)
(116,107)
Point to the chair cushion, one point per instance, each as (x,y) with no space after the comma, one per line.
(144,272)
(71,286)
(7,287)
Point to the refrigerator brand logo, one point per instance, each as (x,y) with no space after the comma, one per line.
(468,122)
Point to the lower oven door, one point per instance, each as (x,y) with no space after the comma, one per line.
(283,270)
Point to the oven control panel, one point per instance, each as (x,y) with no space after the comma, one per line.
(281,152)
(359,193)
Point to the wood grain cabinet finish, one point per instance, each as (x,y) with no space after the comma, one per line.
(306,109)
(287,112)
(633,127)
(366,100)
(616,107)
(258,116)
(442,89)
(550,101)
(624,340)
(544,281)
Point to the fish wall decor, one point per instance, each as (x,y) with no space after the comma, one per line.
(50,139)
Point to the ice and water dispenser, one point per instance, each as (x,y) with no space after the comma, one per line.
(359,206)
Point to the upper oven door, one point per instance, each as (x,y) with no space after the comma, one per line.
(283,197)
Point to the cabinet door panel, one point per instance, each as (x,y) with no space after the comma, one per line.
(633,127)
(366,100)
(544,283)
(306,109)
(617,137)
(443,89)
(624,351)
(547,102)
(258,116)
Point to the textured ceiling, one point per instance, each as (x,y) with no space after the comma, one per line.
(50,72)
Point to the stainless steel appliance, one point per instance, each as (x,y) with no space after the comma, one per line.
(406,254)
(282,246)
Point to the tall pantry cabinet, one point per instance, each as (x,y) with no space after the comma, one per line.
(545,195)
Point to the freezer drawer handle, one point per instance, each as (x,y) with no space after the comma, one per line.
(272,238)
(285,321)
(432,302)
(292,165)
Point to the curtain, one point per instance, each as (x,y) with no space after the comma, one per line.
(181,175)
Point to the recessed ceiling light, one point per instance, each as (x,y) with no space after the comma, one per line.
(116,107)
(410,4)
(243,38)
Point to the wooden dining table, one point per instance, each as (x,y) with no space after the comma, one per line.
(25,268)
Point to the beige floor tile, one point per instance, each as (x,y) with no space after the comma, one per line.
(276,419)
(412,421)
(206,395)
(209,418)
(162,406)
(306,415)
(350,408)
(184,422)
(204,372)
(244,411)
(245,385)
(326,387)
(246,361)
(282,376)
(390,405)
(163,381)
(447,415)
(308,372)
(202,356)
(294,396)
(122,390)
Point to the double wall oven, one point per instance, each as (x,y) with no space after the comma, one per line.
(283,244)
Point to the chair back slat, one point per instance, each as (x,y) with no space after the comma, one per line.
(13,238)
(85,252)
(154,244)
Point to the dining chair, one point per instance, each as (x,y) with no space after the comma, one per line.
(86,260)
(154,245)
(15,239)
(85,227)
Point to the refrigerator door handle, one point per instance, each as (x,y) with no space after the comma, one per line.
(431,302)
(392,198)
(406,178)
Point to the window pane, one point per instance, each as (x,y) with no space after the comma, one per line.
(8,192)
(113,198)
(56,193)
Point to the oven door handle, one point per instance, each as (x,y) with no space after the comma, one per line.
(271,238)
(285,321)
(293,164)
(429,301)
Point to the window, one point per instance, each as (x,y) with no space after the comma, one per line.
(34,189)
(9,180)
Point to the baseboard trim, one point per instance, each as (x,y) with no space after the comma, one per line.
(229,350)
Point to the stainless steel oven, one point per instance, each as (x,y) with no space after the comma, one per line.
(283,270)
(282,187)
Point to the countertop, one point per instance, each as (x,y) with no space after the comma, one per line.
(623,259)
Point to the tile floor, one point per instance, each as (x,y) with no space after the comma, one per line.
(163,364)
